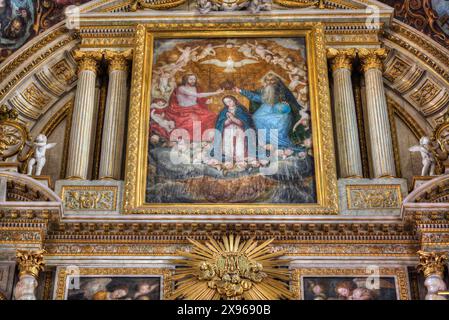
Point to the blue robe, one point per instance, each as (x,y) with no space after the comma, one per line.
(272,117)
(247,122)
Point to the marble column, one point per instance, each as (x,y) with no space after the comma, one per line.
(377,109)
(350,160)
(115,114)
(432,265)
(30,264)
(83,115)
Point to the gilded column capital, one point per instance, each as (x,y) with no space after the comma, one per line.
(118,60)
(372,58)
(30,262)
(432,262)
(87,60)
(341,59)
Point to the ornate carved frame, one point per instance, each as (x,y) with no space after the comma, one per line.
(138,125)
(399,274)
(63,274)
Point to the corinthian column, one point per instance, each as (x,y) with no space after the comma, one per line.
(377,109)
(349,157)
(30,264)
(432,265)
(114,119)
(83,115)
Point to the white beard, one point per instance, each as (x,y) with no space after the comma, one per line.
(269,94)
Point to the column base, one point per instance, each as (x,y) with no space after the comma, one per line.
(372,197)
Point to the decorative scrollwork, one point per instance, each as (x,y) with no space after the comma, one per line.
(13,135)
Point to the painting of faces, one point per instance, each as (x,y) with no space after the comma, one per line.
(349,288)
(230,122)
(116,288)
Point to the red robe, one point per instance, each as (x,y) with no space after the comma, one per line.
(185,116)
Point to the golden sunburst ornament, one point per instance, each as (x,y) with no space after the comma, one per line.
(231,270)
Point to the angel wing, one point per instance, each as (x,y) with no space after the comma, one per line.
(50,145)
(244,62)
(215,62)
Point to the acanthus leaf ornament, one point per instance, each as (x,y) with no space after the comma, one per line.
(231,270)
(30,262)
(432,263)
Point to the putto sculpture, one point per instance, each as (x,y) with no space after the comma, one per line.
(40,146)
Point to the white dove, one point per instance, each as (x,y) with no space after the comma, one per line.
(229,64)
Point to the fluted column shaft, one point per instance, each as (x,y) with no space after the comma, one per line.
(30,264)
(377,109)
(83,115)
(114,119)
(350,160)
(432,264)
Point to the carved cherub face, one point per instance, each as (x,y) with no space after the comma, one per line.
(41,138)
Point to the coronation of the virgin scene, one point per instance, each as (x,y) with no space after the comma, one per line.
(224,150)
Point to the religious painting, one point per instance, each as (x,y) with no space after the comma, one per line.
(21,20)
(372,283)
(230,122)
(112,284)
(349,288)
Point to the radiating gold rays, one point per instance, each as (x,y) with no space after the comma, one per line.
(232,270)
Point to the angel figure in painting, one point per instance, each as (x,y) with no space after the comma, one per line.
(40,146)
(428,158)
(229,142)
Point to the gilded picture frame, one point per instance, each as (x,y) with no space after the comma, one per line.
(64,275)
(397,275)
(321,120)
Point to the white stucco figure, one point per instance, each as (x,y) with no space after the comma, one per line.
(428,158)
(40,146)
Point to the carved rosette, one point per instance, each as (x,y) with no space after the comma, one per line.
(30,262)
(432,263)
(341,59)
(87,60)
(372,58)
(118,60)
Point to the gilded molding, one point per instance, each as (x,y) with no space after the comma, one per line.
(374,197)
(341,59)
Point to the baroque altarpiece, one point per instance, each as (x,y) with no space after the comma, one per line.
(225,150)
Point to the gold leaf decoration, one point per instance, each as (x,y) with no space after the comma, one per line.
(231,270)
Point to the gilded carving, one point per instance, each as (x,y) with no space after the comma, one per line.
(426,93)
(62,70)
(432,263)
(231,270)
(34,96)
(341,59)
(13,134)
(30,262)
(372,58)
(118,60)
(374,197)
(90,198)
(87,60)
